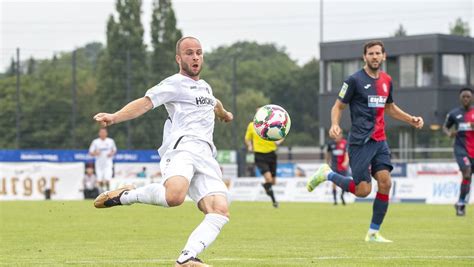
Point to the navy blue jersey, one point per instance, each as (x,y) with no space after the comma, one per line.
(367,97)
(462,121)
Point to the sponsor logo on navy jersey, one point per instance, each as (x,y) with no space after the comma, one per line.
(376,101)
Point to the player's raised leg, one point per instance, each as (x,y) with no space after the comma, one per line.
(170,194)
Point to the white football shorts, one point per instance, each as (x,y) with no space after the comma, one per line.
(194,160)
(103,173)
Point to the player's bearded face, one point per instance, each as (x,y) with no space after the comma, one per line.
(374,57)
(190,58)
(193,69)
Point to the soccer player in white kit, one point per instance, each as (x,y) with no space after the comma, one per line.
(103,150)
(187,153)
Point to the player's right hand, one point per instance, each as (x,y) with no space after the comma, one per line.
(334,131)
(104,119)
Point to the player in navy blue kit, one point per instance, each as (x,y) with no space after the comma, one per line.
(368,92)
(462,118)
(338,157)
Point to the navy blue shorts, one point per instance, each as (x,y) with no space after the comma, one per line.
(464,162)
(368,159)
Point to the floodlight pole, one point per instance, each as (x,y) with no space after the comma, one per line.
(74,101)
(127,95)
(18,107)
(322,132)
(234,112)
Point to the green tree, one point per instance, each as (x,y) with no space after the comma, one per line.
(460,28)
(401,31)
(123,72)
(31,66)
(164,36)
(301,101)
(45,98)
(11,71)
(264,74)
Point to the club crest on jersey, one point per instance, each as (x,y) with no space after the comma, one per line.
(342,93)
(376,101)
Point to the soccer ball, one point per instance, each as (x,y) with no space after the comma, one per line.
(272,122)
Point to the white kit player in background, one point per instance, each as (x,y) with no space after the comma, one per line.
(188,163)
(103,150)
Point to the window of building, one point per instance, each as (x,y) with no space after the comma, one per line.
(334,76)
(350,67)
(453,69)
(407,71)
(424,70)
(339,71)
(391,67)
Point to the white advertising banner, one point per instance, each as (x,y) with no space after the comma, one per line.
(152,170)
(445,191)
(287,189)
(28,181)
(409,190)
(433,170)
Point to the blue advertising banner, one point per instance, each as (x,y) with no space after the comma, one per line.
(53,155)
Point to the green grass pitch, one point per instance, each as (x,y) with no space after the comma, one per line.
(73,233)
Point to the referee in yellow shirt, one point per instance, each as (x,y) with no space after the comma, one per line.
(265,158)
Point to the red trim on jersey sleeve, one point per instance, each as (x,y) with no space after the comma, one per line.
(382,87)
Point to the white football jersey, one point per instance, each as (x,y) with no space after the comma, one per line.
(190,105)
(105,147)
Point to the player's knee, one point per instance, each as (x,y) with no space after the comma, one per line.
(363,193)
(363,190)
(385,184)
(175,199)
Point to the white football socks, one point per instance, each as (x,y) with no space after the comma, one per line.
(154,194)
(203,235)
(372,231)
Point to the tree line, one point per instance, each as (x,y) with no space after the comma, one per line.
(109,76)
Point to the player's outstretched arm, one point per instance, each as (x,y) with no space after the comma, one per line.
(132,110)
(221,113)
(397,113)
(336,113)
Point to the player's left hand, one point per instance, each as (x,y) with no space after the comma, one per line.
(417,122)
(105,119)
(225,116)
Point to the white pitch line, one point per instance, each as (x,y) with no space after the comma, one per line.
(452,257)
